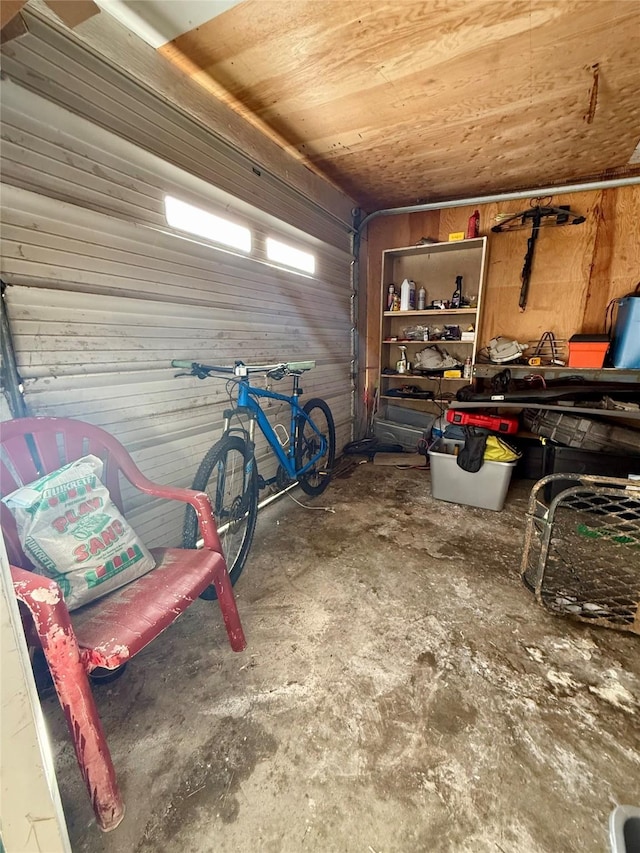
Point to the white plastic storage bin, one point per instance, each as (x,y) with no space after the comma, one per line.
(487,488)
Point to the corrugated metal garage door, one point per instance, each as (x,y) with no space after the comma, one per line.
(53,63)
(102,295)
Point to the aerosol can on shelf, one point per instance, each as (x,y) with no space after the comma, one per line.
(422,299)
(468,368)
(456,299)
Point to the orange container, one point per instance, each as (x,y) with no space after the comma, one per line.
(588,350)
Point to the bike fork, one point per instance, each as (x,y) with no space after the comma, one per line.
(249,439)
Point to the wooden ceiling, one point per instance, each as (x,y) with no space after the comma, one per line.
(400,102)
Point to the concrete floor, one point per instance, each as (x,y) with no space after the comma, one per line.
(401,691)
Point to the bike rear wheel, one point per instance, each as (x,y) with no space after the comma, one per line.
(233,491)
(316,479)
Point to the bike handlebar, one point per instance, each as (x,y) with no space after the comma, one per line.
(183,365)
(240,369)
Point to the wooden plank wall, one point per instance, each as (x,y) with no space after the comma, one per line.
(576,269)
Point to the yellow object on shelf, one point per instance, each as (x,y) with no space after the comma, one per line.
(452,374)
(456,235)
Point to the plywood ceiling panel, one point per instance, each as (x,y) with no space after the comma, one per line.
(405,101)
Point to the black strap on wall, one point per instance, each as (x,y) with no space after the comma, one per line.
(11,381)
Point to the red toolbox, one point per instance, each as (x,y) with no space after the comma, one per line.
(495,423)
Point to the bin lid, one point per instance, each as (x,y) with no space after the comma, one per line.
(583,339)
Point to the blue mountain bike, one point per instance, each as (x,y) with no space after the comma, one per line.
(228,473)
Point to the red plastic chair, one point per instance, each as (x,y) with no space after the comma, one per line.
(110,631)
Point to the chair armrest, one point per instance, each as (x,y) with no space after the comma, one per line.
(42,597)
(27,583)
(198,500)
(204,512)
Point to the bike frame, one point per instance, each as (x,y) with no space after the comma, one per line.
(247,403)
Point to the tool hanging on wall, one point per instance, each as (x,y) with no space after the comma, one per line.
(539,215)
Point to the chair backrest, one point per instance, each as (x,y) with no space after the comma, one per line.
(33,447)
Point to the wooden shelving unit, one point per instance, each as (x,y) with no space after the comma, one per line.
(434,267)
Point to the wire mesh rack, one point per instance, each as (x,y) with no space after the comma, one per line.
(581,553)
(549,349)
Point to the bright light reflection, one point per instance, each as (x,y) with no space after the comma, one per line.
(194,220)
(283,254)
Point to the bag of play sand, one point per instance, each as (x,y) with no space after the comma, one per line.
(71,531)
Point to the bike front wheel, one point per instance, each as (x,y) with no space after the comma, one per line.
(228,475)
(308,444)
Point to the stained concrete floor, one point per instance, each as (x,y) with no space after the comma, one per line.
(401,691)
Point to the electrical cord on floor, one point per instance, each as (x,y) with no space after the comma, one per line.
(401,467)
(306,506)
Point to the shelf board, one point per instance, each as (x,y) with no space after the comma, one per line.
(410,376)
(419,400)
(485,370)
(552,407)
(429,343)
(437,312)
(436,248)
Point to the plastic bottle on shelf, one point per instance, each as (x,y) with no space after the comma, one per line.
(402,365)
(412,295)
(422,299)
(404,295)
(390,295)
